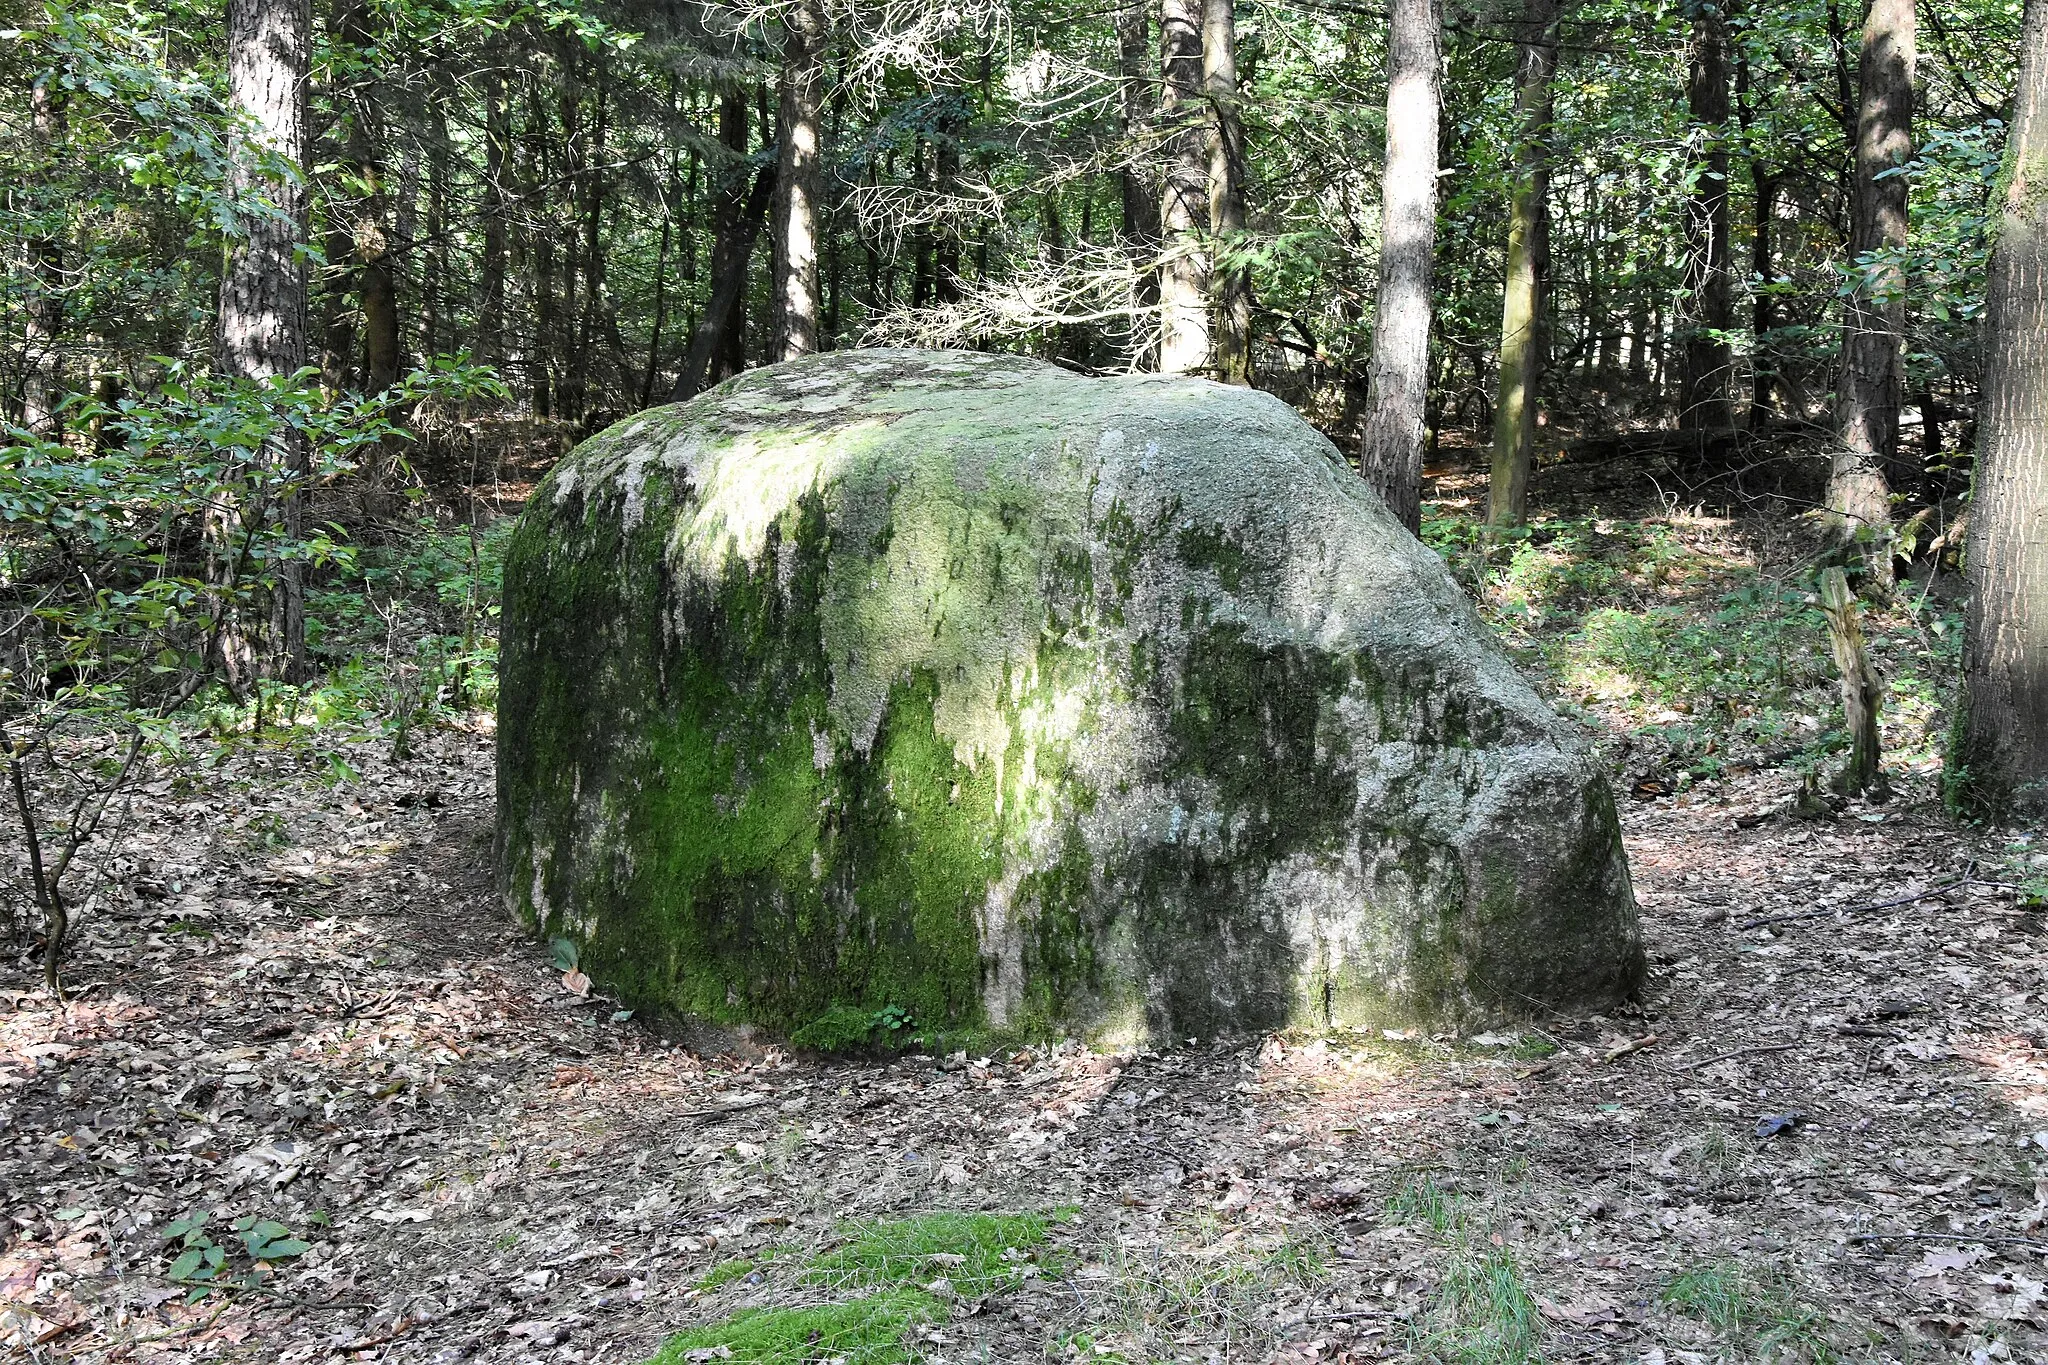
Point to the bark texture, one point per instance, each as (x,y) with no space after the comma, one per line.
(261,330)
(1184,199)
(1137,182)
(1709,290)
(1522,333)
(1393,431)
(2002,756)
(1874,326)
(42,386)
(736,218)
(490,313)
(1232,283)
(800,176)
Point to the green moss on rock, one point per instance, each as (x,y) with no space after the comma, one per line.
(956,689)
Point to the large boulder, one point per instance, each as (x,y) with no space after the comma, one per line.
(958,687)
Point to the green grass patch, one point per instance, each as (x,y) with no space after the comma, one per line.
(1483,1313)
(1755,1314)
(888,1267)
(978,1252)
(866,1331)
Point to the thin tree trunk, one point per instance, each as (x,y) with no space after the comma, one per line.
(1862,689)
(1873,336)
(262,324)
(799,178)
(490,319)
(438,331)
(376,286)
(1136,183)
(1393,431)
(43,384)
(1763,318)
(587,325)
(545,350)
(2001,763)
(1183,207)
(1232,281)
(1706,361)
(736,218)
(1522,331)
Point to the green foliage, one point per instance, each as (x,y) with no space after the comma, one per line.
(843,1028)
(203,1266)
(1756,1314)
(979,1253)
(866,1331)
(892,1268)
(1482,1313)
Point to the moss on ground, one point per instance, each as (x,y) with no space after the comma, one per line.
(893,1268)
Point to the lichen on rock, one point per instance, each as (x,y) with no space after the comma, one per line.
(957,688)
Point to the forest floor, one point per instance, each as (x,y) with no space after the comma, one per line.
(1817,1137)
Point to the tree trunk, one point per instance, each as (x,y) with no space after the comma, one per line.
(1763,317)
(490,313)
(736,217)
(1183,205)
(1136,183)
(1862,689)
(588,323)
(262,324)
(544,352)
(1709,289)
(438,333)
(1874,328)
(799,179)
(42,387)
(370,236)
(1232,282)
(1391,439)
(2001,763)
(1522,331)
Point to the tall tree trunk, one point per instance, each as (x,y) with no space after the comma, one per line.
(2001,763)
(42,387)
(1137,185)
(376,282)
(490,312)
(799,179)
(946,182)
(1392,434)
(1523,338)
(1706,363)
(1183,205)
(437,329)
(592,223)
(545,351)
(737,214)
(1874,326)
(1232,281)
(262,325)
(1763,318)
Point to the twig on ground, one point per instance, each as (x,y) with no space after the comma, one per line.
(716,1110)
(2034,1242)
(1939,888)
(1730,1056)
(1633,1045)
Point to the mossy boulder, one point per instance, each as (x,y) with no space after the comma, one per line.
(957,689)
